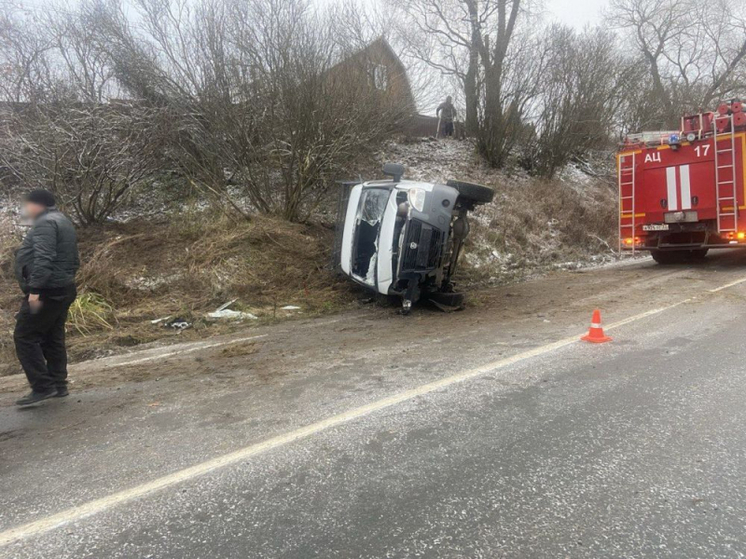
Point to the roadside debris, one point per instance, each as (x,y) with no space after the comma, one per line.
(176,323)
(179,324)
(224,313)
(290,308)
(232,315)
(226,305)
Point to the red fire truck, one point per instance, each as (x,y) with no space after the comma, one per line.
(683,192)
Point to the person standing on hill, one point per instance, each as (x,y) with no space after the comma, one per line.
(446,114)
(45,266)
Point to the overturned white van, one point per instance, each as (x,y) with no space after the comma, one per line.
(403,238)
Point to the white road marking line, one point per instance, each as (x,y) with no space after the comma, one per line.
(38,527)
(728,285)
(182,351)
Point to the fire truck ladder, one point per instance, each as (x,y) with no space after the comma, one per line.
(627,198)
(725,179)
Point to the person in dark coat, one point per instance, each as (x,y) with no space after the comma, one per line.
(45,266)
(446,112)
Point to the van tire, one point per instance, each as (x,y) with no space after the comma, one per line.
(447,301)
(477,193)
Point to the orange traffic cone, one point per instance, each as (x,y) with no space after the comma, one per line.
(596,333)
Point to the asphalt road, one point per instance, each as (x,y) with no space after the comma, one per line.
(545,448)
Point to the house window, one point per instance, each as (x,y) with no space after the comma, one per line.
(380,77)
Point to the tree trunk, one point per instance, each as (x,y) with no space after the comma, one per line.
(471,92)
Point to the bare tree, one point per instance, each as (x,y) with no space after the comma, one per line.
(583,85)
(90,155)
(263,110)
(25,72)
(475,41)
(87,65)
(695,52)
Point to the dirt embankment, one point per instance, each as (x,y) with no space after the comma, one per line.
(183,261)
(183,268)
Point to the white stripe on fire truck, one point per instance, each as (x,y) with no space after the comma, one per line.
(673,199)
(686,190)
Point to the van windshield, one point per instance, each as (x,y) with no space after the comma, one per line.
(370,214)
(373,205)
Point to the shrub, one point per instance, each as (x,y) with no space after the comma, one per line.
(91,312)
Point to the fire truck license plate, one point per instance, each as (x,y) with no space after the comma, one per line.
(655,227)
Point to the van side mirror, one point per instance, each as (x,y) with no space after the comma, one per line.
(394,170)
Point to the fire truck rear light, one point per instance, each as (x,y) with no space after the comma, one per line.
(741,235)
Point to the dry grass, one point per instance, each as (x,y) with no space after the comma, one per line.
(9,300)
(208,261)
(536,225)
(91,312)
(241,350)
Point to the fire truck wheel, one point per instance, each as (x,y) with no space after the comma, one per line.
(699,254)
(677,256)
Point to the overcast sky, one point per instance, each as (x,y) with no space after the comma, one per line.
(577,13)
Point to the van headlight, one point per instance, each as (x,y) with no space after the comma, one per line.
(416,198)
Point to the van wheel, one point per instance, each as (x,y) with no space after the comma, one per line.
(447,301)
(475,192)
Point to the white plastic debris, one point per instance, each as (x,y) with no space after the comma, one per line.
(224,313)
(228,314)
(228,304)
(290,308)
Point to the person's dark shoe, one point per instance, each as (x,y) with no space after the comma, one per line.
(62,391)
(35,397)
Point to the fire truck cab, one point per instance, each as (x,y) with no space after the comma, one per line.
(682,192)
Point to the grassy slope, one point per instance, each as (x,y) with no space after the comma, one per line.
(141,271)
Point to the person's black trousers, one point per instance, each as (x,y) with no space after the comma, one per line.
(40,340)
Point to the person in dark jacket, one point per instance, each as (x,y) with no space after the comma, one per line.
(45,266)
(446,112)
